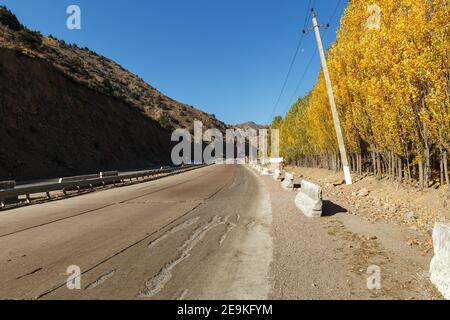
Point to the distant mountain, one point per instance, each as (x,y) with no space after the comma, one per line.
(250,125)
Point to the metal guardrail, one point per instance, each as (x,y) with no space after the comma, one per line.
(109,174)
(7,184)
(79,178)
(84,182)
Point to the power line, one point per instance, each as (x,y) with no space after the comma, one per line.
(303,77)
(292,63)
(313,56)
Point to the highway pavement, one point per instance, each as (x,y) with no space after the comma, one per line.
(204,234)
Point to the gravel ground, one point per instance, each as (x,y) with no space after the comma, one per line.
(328,258)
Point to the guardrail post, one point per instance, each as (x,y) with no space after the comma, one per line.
(48,195)
(28,198)
(2,203)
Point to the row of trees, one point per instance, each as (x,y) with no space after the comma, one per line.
(392,85)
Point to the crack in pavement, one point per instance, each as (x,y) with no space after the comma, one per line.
(97,209)
(230,227)
(174,230)
(29,273)
(101,280)
(166,188)
(135,243)
(157,283)
(57,220)
(183,295)
(163,202)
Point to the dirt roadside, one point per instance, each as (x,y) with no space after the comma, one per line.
(384,200)
(328,258)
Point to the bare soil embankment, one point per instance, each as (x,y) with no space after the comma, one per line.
(331,257)
(385,200)
(51,126)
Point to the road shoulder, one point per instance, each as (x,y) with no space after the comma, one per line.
(329,258)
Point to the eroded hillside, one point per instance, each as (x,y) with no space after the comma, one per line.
(51,126)
(66,110)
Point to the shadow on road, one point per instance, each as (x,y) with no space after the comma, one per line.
(330,209)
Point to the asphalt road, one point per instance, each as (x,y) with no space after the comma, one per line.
(203,234)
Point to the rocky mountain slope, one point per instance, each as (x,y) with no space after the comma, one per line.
(105,76)
(66,110)
(51,126)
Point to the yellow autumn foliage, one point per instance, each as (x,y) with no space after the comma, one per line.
(392,87)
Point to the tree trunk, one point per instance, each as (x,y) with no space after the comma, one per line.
(444,160)
(358,163)
(394,165)
(427,163)
(374,162)
(378,160)
(421,175)
(441,167)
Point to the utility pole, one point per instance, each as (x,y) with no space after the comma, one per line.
(337,124)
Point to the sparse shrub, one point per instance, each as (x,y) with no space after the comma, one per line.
(76,65)
(29,38)
(135,95)
(9,19)
(164,121)
(108,86)
(164,106)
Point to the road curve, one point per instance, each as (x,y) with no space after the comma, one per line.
(203,234)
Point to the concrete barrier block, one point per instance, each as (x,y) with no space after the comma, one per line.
(277,175)
(288,182)
(309,199)
(440,264)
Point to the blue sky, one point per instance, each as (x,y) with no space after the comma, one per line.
(226,57)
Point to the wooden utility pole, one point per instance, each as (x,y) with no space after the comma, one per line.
(337,124)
